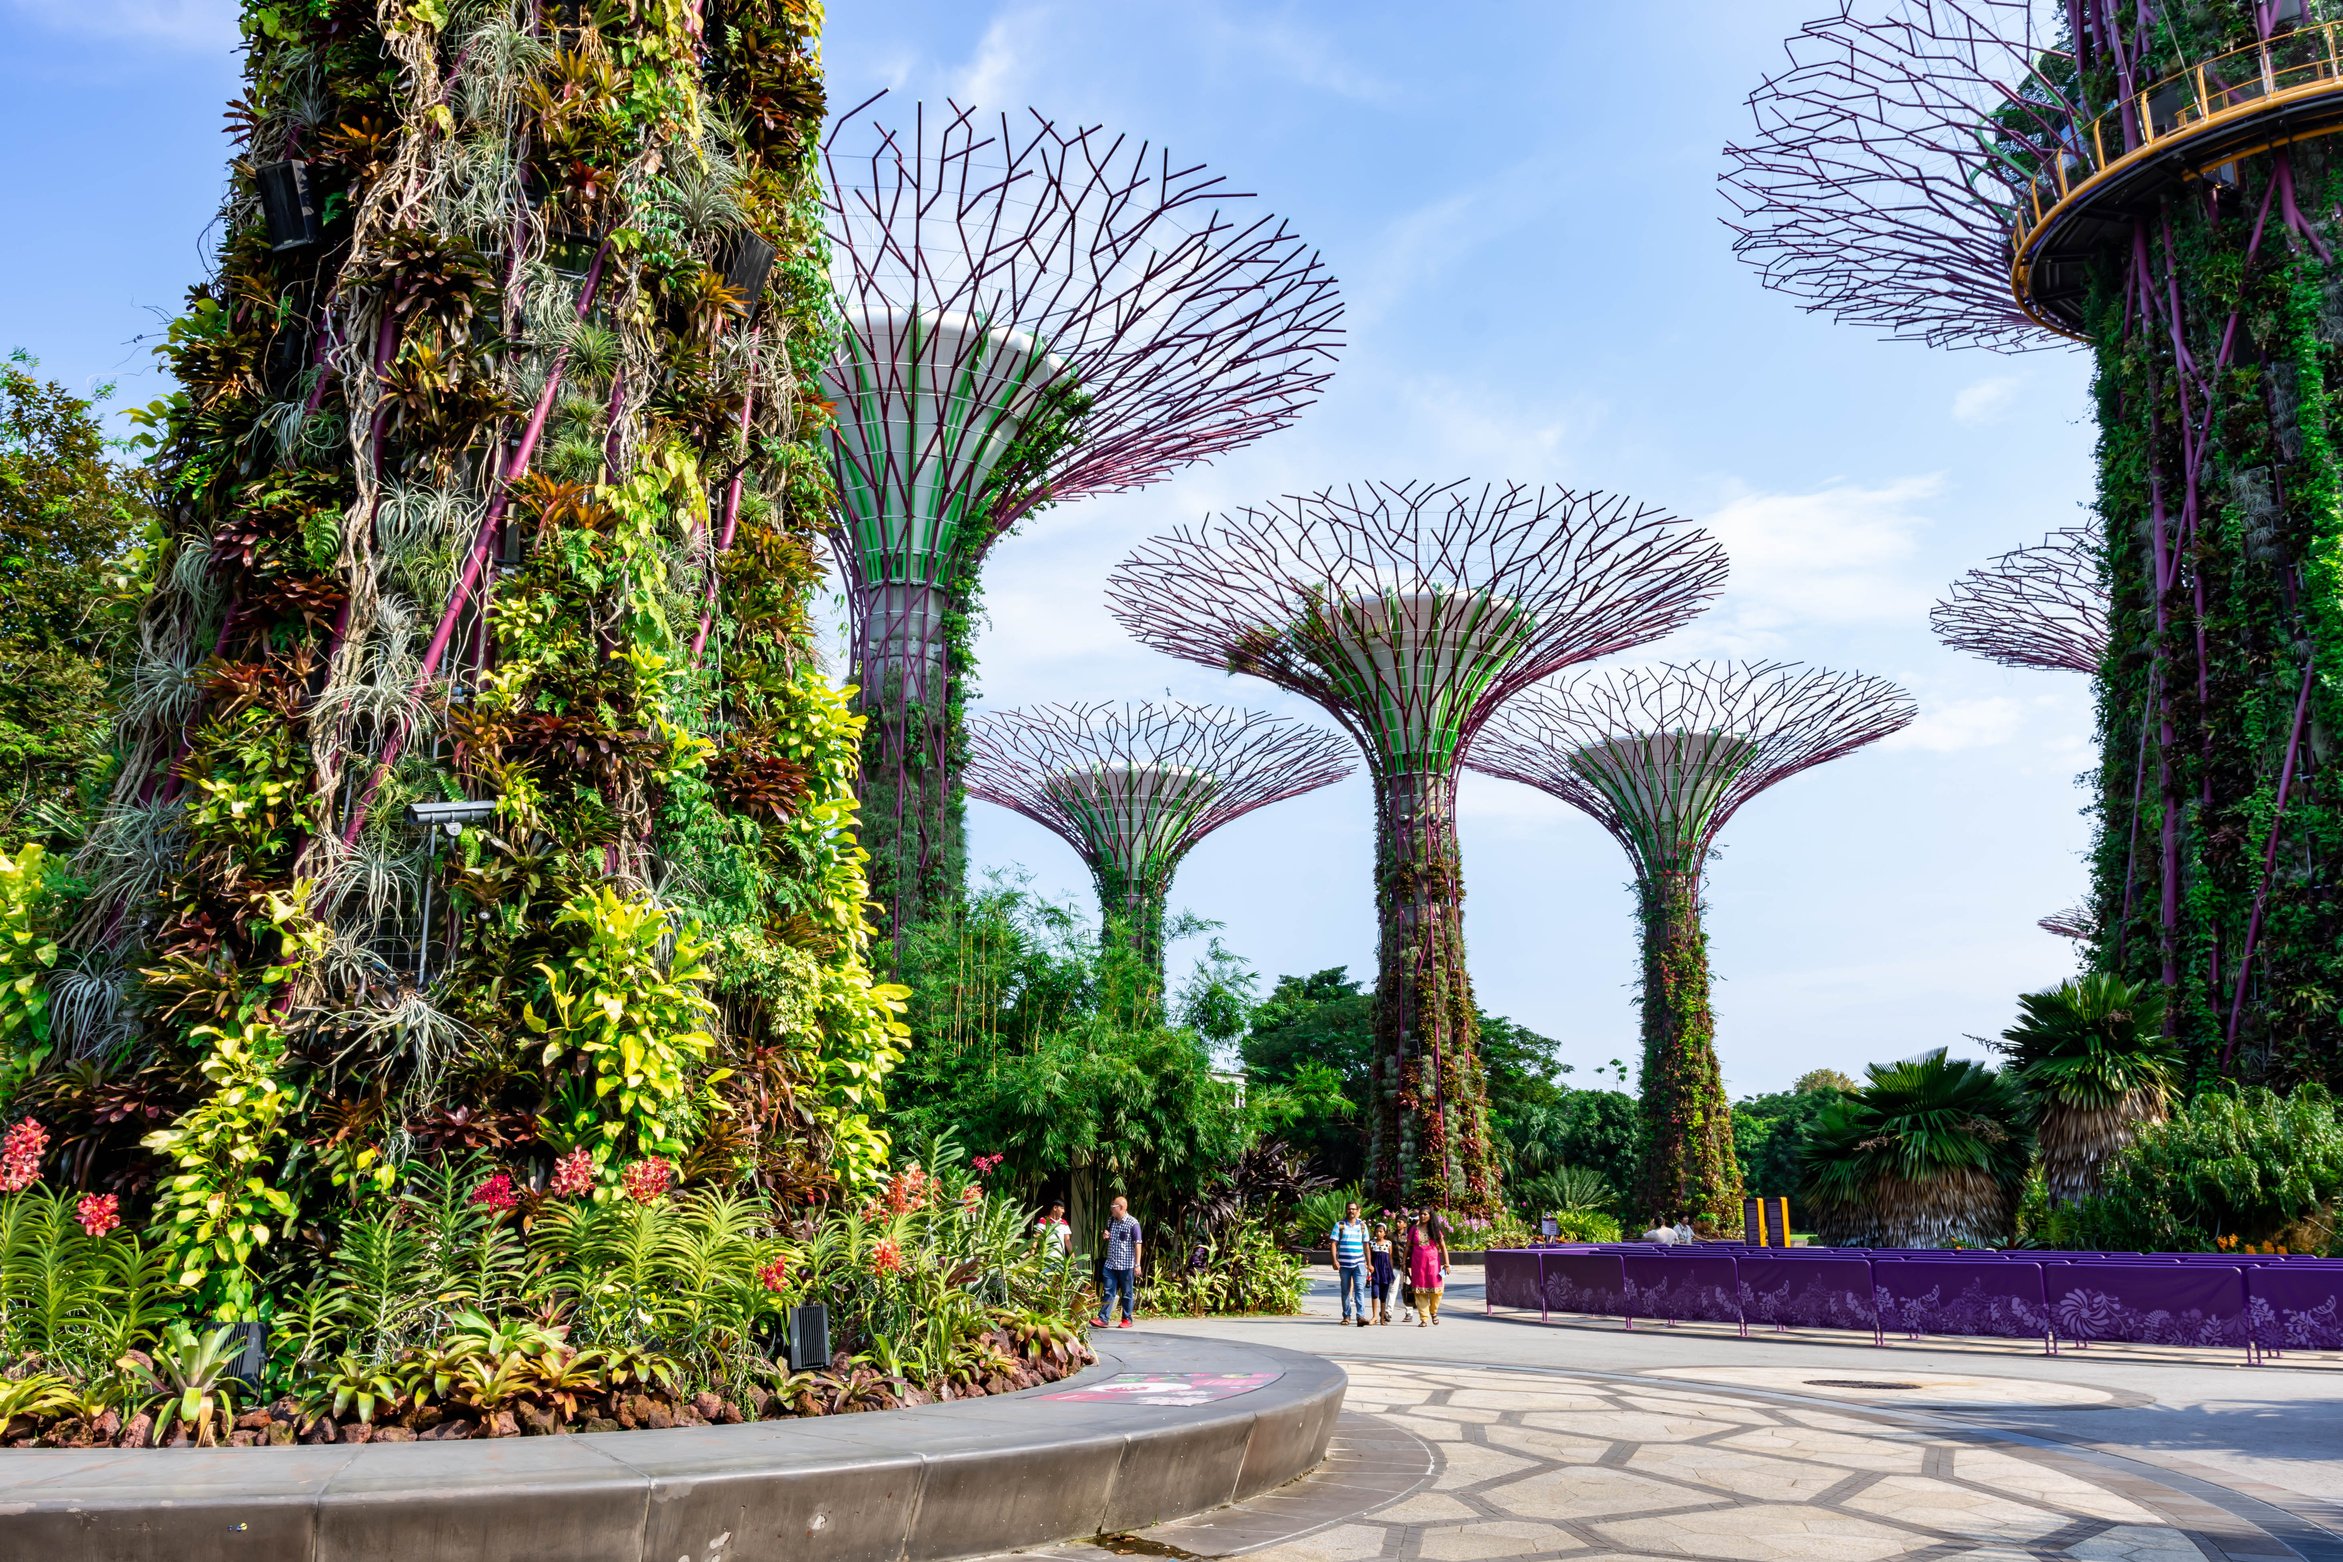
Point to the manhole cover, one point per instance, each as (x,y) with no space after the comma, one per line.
(1854,1383)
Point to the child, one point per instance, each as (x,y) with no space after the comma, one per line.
(1381,1273)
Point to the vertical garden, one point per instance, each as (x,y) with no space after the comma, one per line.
(478,792)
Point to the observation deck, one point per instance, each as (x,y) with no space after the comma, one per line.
(2185,126)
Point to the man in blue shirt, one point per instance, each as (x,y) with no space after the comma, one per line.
(1122,1263)
(1347,1243)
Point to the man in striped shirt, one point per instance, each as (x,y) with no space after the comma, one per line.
(1347,1242)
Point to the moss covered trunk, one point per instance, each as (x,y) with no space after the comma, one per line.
(2220,814)
(1429,1131)
(1130,912)
(1689,1169)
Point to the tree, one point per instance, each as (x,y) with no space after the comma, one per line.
(1930,1152)
(2093,1056)
(70,517)
(1770,1131)
(1310,1027)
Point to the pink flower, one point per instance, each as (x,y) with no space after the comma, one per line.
(496,1193)
(98,1213)
(573,1174)
(21,1149)
(775,1274)
(646,1181)
(885,1259)
(984,1164)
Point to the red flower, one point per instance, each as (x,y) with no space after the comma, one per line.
(496,1193)
(646,1181)
(573,1174)
(21,1149)
(984,1164)
(885,1259)
(971,1197)
(98,1213)
(775,1274)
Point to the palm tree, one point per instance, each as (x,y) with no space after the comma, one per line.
(1930,1152)
(2093,1055)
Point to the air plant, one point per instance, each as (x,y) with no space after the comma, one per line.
(410,1028)
(89,1002)
(132,851)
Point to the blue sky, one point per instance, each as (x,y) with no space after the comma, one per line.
(1520,201)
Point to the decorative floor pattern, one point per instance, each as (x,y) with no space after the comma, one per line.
(1532,1465)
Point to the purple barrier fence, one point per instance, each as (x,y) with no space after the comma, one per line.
(2296,1306)
(2147,1303)
(1826,1291)
(1961,1296)
(1511,1279)
(1583,1282)
(1690,1287)
(2262,1303)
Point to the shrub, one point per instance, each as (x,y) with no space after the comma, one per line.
(1931,1151)
(2230,1168)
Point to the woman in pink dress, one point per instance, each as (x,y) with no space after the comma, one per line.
(1427,1266)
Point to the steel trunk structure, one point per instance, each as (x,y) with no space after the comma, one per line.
(1410,612)
(1133,788)
(2160,182)
(1662,758)
(1032,314)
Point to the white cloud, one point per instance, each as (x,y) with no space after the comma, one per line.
(1840,555)
(1950,726)
(1305,57)
(995,78)
(1987,401)
(170,24)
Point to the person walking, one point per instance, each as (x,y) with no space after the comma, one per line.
(1380,1273)
(1121,1272)
(1428,1262)
(1346,1244)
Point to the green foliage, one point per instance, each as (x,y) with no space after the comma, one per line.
(2096,1043)
(2231,1167)
(1929,1152)
(1563,1190)
(28,952)
(1689,1170)
(1239,1272)
(1030,1039)
(634,1016)
(73,521)
(1769,1132)
(73,1301)
(1316,1213)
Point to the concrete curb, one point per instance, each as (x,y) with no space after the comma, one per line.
(919,1485)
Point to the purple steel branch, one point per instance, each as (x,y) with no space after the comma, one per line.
(1246,759)
(1768,720)
(2044,606)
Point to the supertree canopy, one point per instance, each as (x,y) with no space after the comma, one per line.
(1663,757)
(1033,313)
(432,831)
(2158,180)
(1410,611)
(1133,788)
(2044,606)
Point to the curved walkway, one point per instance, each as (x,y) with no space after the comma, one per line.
(1688,1443)
(1161,1427)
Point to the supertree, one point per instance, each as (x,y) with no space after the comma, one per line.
(1663,757)
(2156,180)
(1032,313)
(1410,611)
(2044,606)
(432,833)
(1133,788)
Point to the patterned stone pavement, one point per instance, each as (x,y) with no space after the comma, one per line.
(1440,1462)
